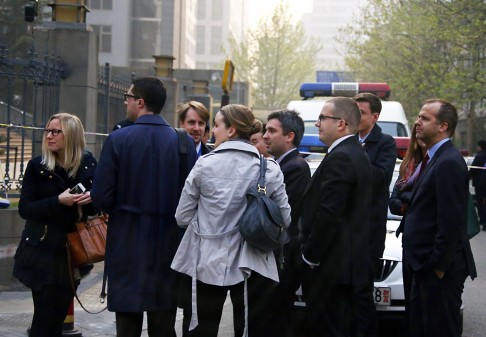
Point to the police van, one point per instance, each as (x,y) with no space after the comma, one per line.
(392,120)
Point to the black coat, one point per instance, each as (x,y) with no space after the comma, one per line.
(41,257)
(479,176)
(382,151)
(334,225)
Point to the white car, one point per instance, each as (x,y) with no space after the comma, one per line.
(388,293)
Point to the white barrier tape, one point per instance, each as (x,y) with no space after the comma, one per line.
(40,129)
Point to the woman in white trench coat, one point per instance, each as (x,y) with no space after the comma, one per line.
(212,252)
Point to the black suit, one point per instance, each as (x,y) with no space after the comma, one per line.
(478,177)
(204,149)
(334,233)
(435,238)
(281,320)
(382,151)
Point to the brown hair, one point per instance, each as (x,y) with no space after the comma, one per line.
(242,119)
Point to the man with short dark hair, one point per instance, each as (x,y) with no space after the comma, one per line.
(194,117)
(138,182)
(437,256)
(284,131)
(478,176)
(381,150)
(334,227)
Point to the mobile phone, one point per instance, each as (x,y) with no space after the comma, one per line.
(78,189)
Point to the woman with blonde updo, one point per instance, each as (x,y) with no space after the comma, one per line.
(212,252)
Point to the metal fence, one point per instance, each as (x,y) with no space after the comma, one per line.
(29,91)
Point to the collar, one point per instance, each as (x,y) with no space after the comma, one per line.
(237,144)
(337,142)
(431,152)
(279,159)
(151,119)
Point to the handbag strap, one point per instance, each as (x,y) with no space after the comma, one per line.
(262,187)
(71,279)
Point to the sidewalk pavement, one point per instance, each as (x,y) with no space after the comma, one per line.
(16,311)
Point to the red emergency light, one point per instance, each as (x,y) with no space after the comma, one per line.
(346,89)
(402,146)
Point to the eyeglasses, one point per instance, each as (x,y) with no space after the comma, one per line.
(54,132)
(322,117)
(126,95)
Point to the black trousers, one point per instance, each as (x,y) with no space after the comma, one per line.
(282,319)
(364,322)
(51,304)
(159,323)
(480,194)
(433,304)
(328,307)
(210,303)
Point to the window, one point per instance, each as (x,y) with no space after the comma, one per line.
(201,9)
(104,38)
(216,40)
(101,4)
(200,40)
(217,10)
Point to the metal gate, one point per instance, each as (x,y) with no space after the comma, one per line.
(29,93)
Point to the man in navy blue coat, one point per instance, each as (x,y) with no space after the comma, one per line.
(437,256)
(382,151)
(138,183)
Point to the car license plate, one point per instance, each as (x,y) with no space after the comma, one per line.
(382,295)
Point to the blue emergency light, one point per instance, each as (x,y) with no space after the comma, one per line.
(346,89)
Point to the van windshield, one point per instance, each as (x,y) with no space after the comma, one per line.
(393,129)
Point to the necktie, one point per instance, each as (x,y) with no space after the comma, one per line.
(424,163)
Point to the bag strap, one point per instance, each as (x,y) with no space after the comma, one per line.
(71,279)
(262,187)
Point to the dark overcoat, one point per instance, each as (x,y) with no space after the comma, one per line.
(138,182)
(382,151)
(41,257)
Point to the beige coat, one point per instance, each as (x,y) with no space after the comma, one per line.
(213,199)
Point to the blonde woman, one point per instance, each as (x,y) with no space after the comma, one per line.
(212,252)
(50,212)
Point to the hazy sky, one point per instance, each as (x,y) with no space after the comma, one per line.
(264,8)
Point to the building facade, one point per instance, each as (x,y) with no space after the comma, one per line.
(194,32)
(324,23)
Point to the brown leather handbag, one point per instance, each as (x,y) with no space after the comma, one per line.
(87,244)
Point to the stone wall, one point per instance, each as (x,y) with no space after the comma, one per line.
(11,226)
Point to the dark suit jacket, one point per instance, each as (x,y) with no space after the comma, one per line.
(382,151)
(479,176)
(297,174)
(334,226)
(204,149)
(435,230)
